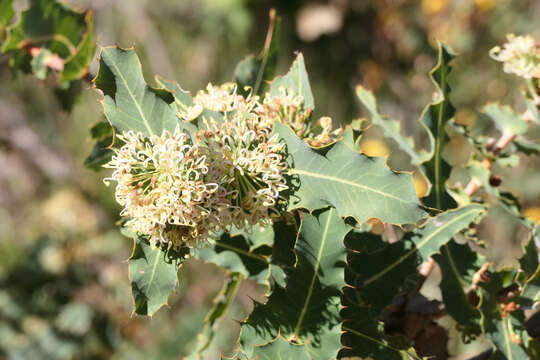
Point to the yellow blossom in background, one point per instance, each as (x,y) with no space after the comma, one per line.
(533,213)
(374,147)
(420,184)
(430,7)
(485,5)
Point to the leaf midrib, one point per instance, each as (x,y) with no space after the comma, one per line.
(314,277)
(145,121)
(416,248)
(347,182)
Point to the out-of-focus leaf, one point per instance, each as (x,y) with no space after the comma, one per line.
(505,330)
(75,318)
(506,120)
(222,302)
(153,275)
(68,93)
(530,264)
(295,82)
(531,106)
(39,63)
(307,309)
(397,262)
(392,128)
(76,66)
(6,14)
(458,264)
(59,31)
(526,146)
(129,103)
(356,185)
(435,117)
(255,71)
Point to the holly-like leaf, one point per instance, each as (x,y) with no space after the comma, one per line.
(458,264)
(392,128)
(394,263)
(153,275)
(222,302)
(307,309)
(255,71)
(506,120)
(356,185)
(435,117)
(129,103)
(295,82)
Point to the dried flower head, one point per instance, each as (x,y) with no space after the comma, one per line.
(520,55)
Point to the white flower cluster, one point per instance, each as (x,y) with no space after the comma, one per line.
(162,185)
(179,188)
(520,55)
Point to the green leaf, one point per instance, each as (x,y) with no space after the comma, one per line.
(278,349)
(363,337)
(392,128)
(395,263)
(295,82)
(356,185)
(458,264)
(76,66)
(307,309)
(526,146)
(530,265)
(129,103)
(251,254)
(100,154)
(153,275)
(221,305)
(56,28)
(435,117)
(353,133)
(506,331)
(39,63)
(255,71)
(6,14)
(506,120)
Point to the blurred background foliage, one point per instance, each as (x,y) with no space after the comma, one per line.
(63,276)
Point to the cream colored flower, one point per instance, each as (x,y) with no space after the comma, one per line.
(161,185)
(520,55)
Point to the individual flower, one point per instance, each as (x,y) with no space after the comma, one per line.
(520,55)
